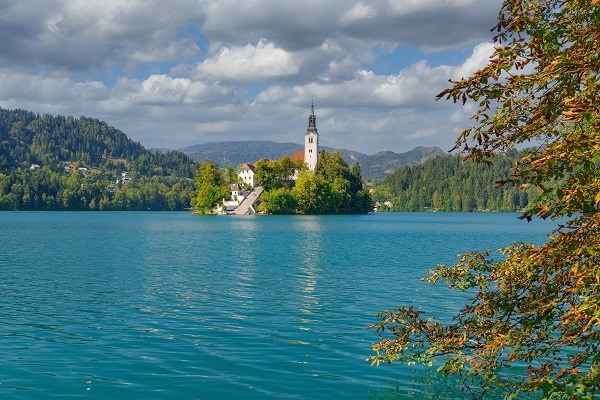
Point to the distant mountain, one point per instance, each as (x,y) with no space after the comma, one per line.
(375,166)
(235,153)
(379,165)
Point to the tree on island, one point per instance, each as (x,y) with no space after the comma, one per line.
(535,309)
(275,174)
(211,188)
(333,188)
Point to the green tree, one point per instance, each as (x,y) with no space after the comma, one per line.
(278,201)
(267,174)
(274,174)
(231,175)
(537,306)
(210,188)
(332,165)
(311,192)
(334,188)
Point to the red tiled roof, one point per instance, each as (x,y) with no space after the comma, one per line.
(251,167)
(299,155)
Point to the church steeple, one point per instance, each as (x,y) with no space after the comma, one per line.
(312,120)
(311,140)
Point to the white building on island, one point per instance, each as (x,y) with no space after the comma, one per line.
(310,155)
(247,174)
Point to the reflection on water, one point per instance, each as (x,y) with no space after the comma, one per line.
(310,251)
(244,253)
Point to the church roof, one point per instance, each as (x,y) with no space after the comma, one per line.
(298,156)
(251,167)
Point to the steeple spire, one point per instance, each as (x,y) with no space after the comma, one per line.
(312,120)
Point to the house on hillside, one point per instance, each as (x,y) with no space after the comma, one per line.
(247,173)
(125,178)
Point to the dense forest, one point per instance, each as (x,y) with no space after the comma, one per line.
(66,163)
(450,184)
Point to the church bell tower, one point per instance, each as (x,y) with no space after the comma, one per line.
(311,141)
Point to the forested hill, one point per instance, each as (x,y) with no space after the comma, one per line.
(450,184)
(27,138)
(67,163)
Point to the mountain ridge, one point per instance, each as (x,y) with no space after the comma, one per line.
(374,166)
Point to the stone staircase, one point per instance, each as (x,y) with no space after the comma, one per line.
(246,206)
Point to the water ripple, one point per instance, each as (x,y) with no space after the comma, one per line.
(171,305)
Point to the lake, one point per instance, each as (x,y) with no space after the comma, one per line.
(144,305)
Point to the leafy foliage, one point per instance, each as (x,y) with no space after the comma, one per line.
(279,201)
(334,188)
(537,306)
(275,174)
(46,190)
(211,188)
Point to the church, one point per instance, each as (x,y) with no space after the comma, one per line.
(310,155)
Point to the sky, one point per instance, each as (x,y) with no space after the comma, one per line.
(175,73)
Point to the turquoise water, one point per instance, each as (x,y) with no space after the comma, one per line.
(172,305)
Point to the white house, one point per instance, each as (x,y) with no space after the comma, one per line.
(236,192)
(237,196)
(247,173)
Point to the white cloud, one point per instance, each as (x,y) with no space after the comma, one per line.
(249,64)
(422,134)
(415,86)
(366,112)
(477,60)
(58,90)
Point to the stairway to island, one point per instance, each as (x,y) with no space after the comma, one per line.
(246,206)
